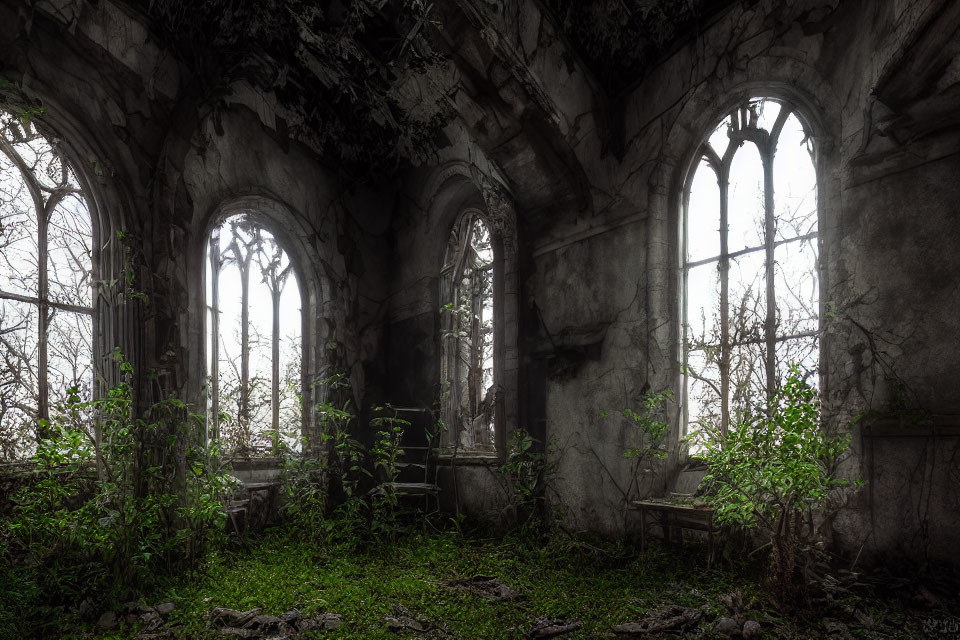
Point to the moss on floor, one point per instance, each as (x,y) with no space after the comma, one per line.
(601,586)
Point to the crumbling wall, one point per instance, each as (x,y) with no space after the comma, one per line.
(162,164)
(595,183)
(888,224)
(599,266)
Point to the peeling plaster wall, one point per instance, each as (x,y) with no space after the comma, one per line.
(595,182)
(160,166)
(238,163)
(888,225)
(599,275)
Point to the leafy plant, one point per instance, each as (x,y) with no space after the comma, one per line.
(385,455)
(321,485)
(650,429)
(528,471)
(772,471)
(114,506)
(304,492)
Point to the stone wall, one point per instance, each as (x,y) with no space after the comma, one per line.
(598,319)
(592,185)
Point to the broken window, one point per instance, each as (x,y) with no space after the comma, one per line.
(46,249)
(253,334)
(750,270)
(469,395)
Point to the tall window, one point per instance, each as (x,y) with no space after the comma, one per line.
(46,247)
(751,283)
(253,340)
(467,371)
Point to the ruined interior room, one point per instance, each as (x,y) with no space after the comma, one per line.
(479,318)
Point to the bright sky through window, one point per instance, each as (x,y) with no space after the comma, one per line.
(253,306)
(46,274)
(751,284)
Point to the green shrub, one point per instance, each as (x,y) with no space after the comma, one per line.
(111,509)
(774,471)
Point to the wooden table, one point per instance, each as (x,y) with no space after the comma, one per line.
(670,515)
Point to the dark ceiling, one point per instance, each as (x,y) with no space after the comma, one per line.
(619,40)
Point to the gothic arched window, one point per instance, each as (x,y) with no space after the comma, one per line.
(750,263)
(46,275)
(253,333)
(467,369)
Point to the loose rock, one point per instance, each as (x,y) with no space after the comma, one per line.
(667,618)
(151,620)
(223,617)
(402,623)
(727,627)
(329,621)
(546,628)
(487,587)
(752,630)
(108,620)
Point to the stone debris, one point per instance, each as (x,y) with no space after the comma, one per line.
(403,620)
(108,620)
(254,624)
(152,620)
(670,618)
(222,617)
(836,629)
(546,628)
(752,630)
(405,623)
(487,587)
(328,621)
(727,627)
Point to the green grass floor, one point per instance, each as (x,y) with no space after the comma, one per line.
(564,581)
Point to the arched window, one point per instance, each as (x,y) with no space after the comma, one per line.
(254,349)
(46,274)
(750,269)
(467,370)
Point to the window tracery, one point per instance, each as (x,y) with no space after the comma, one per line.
(751,263)
(254,350)
(467,370)
(46,276)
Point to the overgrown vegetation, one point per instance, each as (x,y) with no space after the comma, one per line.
(649,427)
(111,509)
(527,473)
(777,472)
(421,578)
(343,490)
(338,69)
(82,542)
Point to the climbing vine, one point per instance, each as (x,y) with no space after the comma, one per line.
(337,69)
(618,37)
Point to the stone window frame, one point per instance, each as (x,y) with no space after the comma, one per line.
(294,235)
(451,440)
(481,194)
(808,118)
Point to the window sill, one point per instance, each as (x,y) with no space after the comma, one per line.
(478,458)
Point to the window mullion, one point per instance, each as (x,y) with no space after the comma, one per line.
(770,328)
(215,264)
(43,393)
(724,265)
(275,292)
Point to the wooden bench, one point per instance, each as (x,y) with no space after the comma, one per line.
(670,515)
